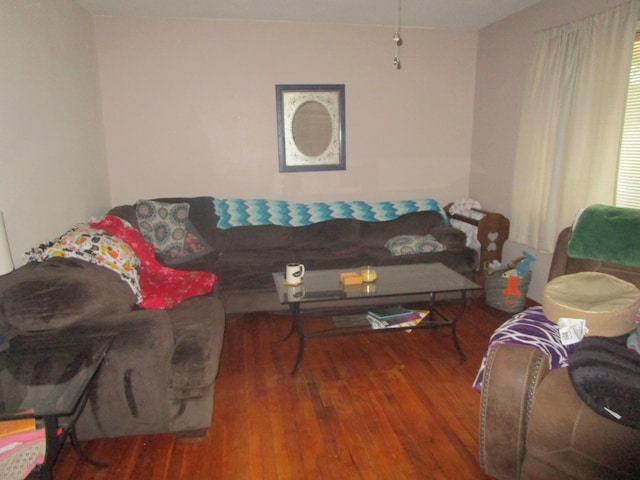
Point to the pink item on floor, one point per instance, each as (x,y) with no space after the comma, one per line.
(20,453)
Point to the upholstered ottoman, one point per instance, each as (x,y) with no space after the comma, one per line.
(608,304)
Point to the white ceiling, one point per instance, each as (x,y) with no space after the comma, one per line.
(447,14)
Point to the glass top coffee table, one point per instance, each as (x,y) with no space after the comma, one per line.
(428,279)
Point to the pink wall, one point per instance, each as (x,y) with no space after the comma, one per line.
(189,108)
(52,151)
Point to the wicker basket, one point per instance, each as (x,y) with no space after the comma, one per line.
(498,296)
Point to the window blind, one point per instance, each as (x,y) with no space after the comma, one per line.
(628,186)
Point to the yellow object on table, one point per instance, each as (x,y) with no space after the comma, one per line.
(368,274)
(9,427)
(350,278)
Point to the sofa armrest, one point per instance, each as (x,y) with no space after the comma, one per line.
(198,329)
(511,376)
(560,259)
(129,394)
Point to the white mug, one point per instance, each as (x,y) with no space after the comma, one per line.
(294,273)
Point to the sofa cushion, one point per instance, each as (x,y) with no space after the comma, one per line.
(251,269)
(376,234)
(260,237)
(127,213)
(606,303)
(461,260)
(60,292)
(328,235)
(320,258)
(451,238)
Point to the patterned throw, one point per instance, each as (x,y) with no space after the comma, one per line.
(114,244)
(92,245)
(242,212)
(532,329)
(162,287)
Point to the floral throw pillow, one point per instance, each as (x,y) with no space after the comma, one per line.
(164,225)
(412,244)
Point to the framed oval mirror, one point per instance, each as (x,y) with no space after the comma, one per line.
(311,130)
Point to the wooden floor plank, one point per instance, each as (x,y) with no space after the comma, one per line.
(390,406)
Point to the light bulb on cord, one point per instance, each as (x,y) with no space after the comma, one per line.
(397,39)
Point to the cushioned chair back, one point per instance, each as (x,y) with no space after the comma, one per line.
(562,264)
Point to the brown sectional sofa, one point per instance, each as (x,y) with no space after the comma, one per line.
(160,372)
(245,257)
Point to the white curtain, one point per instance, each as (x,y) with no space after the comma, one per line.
(571,123)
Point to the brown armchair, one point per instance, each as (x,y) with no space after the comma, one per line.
(533,425)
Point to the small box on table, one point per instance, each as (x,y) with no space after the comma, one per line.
(350,278)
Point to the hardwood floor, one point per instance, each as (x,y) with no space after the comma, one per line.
(381,406)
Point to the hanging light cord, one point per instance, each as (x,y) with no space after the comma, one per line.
(396,37)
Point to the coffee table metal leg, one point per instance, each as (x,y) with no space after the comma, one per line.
(52,447)
(461,354)
(452,323)
(295,326)
(293,329)
(75,443)
(453,329)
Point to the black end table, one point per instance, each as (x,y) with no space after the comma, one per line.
(47,377)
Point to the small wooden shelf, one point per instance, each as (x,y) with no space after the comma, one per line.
(493,231)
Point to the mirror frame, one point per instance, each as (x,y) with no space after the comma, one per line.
(288,99)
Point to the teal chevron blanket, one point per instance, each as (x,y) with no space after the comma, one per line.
(240,212)
(608,234)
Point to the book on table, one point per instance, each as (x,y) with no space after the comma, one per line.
(407,318)
(386,313)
